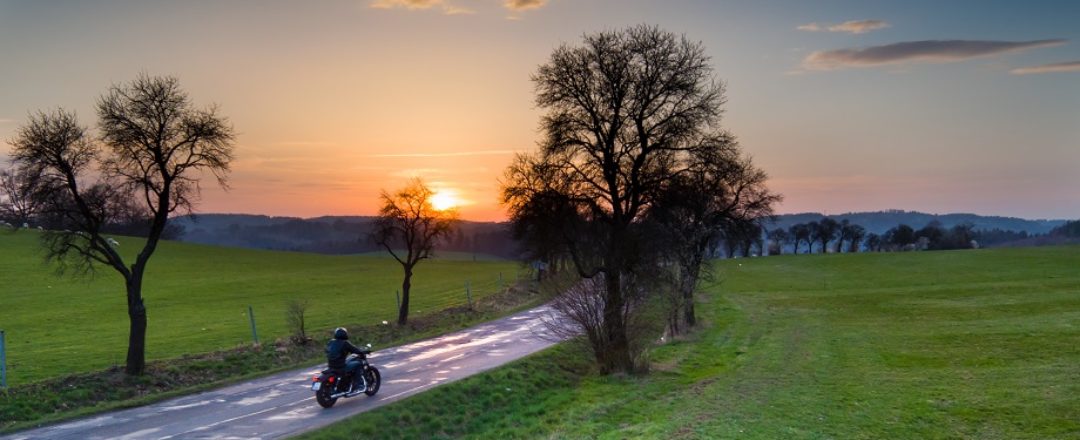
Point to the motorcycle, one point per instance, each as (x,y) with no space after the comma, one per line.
(331,385)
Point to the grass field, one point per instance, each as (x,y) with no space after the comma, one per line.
(961,344)
(197,299)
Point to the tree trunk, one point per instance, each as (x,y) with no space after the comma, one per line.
(689,281)
(403,312)
(617,353)
(136,356)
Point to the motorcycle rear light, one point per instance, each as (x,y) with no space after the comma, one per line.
(331,379)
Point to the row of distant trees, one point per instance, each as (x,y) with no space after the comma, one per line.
(844,236)
(830,236)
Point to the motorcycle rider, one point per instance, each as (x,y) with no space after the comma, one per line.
(337,351)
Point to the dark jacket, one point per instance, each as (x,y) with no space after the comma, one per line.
(337,350)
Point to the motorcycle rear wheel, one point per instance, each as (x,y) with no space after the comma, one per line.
(323,396)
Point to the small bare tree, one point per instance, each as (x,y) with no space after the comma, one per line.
(580,309)
(16,203)
(295,312)
(152,149)
(408,227)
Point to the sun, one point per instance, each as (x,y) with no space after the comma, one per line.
(444,200)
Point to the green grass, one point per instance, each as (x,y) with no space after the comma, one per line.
(75,395)
(962,344)
(197,299)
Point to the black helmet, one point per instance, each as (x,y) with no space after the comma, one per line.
(341,333)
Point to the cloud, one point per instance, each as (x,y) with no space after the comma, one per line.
(6,121)
(456,10)
(407,4)
(933,51)
(852,27)
(414,5)
(524,5)
(515,6)
(305,144)
(859,26)
(1070,66)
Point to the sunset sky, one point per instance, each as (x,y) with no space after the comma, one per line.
(936,106)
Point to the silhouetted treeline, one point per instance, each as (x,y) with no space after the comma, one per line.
(329,235)
(1069,229)
(880,221)
(827,235)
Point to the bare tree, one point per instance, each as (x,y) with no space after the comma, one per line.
(625,112)
(855,234)
(542,218)
(407,219)
(873,242)
(580,311)
(814,228)
(16,203)
(825,231)
(842,234)
(295,319)
(800,232)
(696,209)
(779,237)
(153,147)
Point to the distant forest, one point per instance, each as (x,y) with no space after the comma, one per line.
(328,235)
(878,222)
(348,234)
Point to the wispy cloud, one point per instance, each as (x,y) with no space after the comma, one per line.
(851,27)
(457,10)
(443,5)
(304,144)
(932,51)
(514,6)
(6,121)
(407,4)
(524,5)
(1070,66)
(454,154)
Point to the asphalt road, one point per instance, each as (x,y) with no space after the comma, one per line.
(283,404)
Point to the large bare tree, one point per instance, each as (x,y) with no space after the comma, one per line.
(409,227)
(625,112)
(152,149)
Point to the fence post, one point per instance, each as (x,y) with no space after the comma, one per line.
(500,282)
(3,361)
(468,294)
(254,335)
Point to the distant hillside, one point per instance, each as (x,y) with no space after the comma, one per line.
(879,222)
(348,234)
(327,235)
